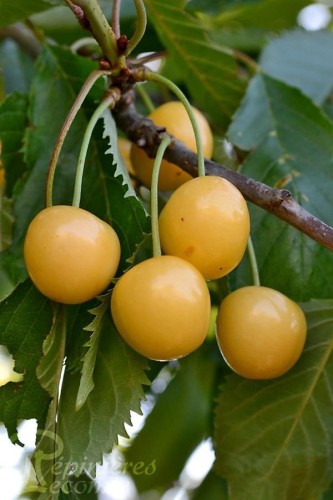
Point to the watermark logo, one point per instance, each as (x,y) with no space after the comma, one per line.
(53,474)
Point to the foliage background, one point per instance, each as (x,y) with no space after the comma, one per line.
(265,84)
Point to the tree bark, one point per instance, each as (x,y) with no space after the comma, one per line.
(278,202)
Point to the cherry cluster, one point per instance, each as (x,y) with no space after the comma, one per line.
(161,306)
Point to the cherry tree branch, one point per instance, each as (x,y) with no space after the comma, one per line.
(91,17)
(23,36)
(116,17)
(278,202)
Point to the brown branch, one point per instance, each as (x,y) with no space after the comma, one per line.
(278,202)
(23,36)
(116,17)
(79,14)
(91,17)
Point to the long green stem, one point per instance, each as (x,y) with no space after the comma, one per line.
(154,77)
(253,262)
(140,27)
(154,195)
(65,128)
(100,28)
(106,103)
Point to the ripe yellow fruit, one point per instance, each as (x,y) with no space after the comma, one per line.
(173,116)
(206,222)
(161,308)
(70,254)
(260,332)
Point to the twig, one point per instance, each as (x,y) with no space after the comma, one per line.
(91,17)
(23,36)
(116,17)
(149,57)
(278,202)
(79,14)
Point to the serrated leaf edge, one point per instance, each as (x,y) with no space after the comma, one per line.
(89,359)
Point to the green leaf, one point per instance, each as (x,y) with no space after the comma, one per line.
(302,59)
(274,438)
(16,10)
(95,327)
(78,317)
(6,222)
(328,494)
(16,67)
(118,377)
(49,373)
(183,411)
(270,15)
(13,120)
(246,25)
(209,71)
(213,487)
(207,6)
(44,458)
(50,472)
(25,321)
(50,366)
(7,284)
(292,148)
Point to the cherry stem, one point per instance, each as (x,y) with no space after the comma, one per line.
(154,77)
(140,27)
(253,262)
(109,101)
(154,195)
(88,84)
